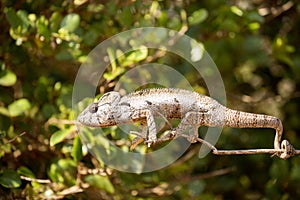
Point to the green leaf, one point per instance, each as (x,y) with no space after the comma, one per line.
(12,17)
(10,179)
(24,18)
(25,172)
(18,107)
(63,171)
(112,58)
(2,134)
(139,54)
(236,10)
(42,27)
(4,111)
(198,16)
(112,75)
(48,110)
(132,57)
(19,22)
(70,22)
(125,17)
(55,21)
(77,149)
(59,136)
(7,78)
(100,182)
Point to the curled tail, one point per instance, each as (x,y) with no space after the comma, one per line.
(238,119)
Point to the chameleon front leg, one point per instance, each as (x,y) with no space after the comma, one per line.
(151,137)
(146,115)
(142,136)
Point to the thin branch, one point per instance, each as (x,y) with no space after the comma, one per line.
(69,191)
(72,190)
(12,140)
(43,181)
(212,174)
(287,149)
(60,121)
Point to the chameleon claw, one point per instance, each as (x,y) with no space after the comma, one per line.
(169,136)
(150,142)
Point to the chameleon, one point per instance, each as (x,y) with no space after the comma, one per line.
(192,108)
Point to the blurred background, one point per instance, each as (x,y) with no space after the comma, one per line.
(255,45)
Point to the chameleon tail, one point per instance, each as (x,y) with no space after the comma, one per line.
(238,119)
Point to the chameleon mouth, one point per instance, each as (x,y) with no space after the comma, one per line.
(91,119)
(81,118)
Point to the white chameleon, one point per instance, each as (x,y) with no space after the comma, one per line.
(192,108)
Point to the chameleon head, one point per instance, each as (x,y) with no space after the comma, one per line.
(100,113)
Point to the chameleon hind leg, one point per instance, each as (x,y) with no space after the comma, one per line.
(149,136)
(191,122)
(192,135)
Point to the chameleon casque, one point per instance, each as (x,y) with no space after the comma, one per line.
(192,108)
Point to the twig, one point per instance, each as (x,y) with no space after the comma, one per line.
(69,191)
(12,140)
(72,190)
(215,173)
(44,181)
(286,148)
(60,121)
(250,151)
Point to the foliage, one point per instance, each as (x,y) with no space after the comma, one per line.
(43,43)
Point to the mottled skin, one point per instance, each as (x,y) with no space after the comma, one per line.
(192,108)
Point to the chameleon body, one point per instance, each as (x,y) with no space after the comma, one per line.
(192,108)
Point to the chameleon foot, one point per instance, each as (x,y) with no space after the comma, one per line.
(169,136)
(175,133)
(150,142)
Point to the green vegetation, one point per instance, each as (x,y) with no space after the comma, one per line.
(255,44)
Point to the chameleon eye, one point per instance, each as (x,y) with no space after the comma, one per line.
(93,108)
